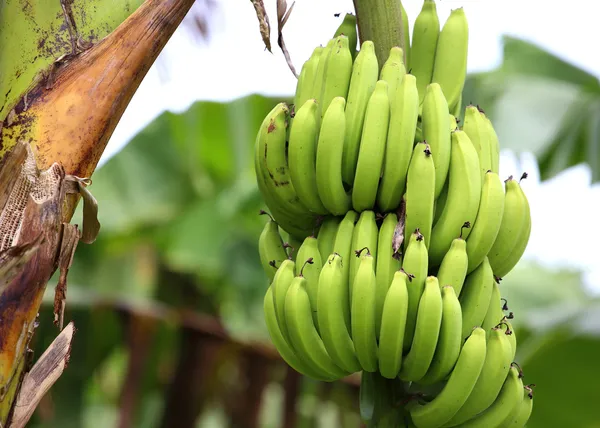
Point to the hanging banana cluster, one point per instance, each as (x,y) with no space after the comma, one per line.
(397,228)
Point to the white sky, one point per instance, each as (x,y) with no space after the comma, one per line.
(233,63)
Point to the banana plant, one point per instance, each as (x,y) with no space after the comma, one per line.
(68,69)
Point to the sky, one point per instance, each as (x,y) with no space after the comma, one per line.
(233,63)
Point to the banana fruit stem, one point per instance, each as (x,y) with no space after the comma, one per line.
(381,22)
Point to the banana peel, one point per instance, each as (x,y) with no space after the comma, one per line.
(56,132)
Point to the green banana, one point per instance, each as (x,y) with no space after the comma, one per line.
(508,329)
(476,128)
(283,347)
(338,70)
(406,28)
(329,159)
(512,228)
(488,221)
(427,330)
(332,296)
(321,75)
(495,143)
(386,266)
(393,71)
(363,313)
(302,155)
(424,42)
(310,264)
(348,29)
(365,235)
(280,285)
(306,80)
(393,322)
(270,248)
(453,269)
(435,121)
(414,263)
(404,113)
(509,400)
(303,335)
(450,67)
(365,73)
(326,236)
(494,312)
(450,339)
(475,296)
(456,391)
(440,203)
(502,266)
(495,369)
(520,417)
(464,193)
(343,246)
(372,149)
(453,122)
(420,189)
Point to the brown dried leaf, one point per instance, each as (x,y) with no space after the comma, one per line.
(398,238)
(283,15)
(91,225)
(263,22)
(70,238)
(42,376)
(14,258)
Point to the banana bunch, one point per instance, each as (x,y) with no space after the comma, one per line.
(390,229)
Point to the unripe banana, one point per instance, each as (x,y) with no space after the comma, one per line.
(494,314)
(372,149)
(348,29)
(365,235)
(507,402)
(508,329)
(453,122)
(440,203)
(393,71)
(270,248)
(493,374)
(404,113)
(343,247)
(424,42)
(475,296)
(450,67)
(302,156)
(329,159)
(420,189)
(462,203)
(414,263)
(303,335)
(393,322)
(280,285)
(453,269)
(455,392)
(363,313)
(387,264)
(283,347)
(406,27)
(306,80)
(321,76)
(520,417)
(495,151)
(512,228)
(365,73)
(332,296)
(310,264)
(338,70)
(326,236)
(427,330)
(436,132)
(476,128)
(502,268)
(489,218)
(458,107)
(450,339)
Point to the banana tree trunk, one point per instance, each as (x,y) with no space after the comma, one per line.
(59,108)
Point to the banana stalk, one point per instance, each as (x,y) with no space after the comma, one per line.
(62,111)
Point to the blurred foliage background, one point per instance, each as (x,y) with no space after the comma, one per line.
(168,301)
